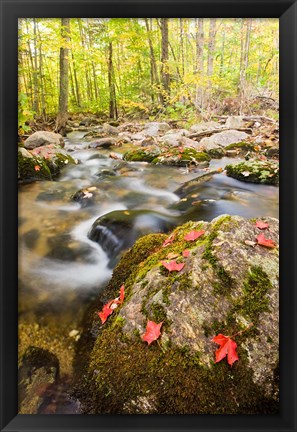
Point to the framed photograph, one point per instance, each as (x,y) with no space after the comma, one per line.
(148,158)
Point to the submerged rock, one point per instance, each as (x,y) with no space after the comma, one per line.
(118,230)
(226,286)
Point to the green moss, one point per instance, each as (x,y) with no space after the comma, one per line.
(255,288)
(226,282)
(27,171)
(255,171)
(187,386)
(241,146)
(139,155)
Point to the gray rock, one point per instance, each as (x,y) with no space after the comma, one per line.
(155,128)
(223,139)
(110,130)
(226,286)
(103,143)
(201,127)
(42,138)
(235,122)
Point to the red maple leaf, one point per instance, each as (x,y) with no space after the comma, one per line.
(152,332)
(106,311)
(173,265)
(193,235)
(227,348)
(169,240)
(186,253)
(262,225)
(37,168)
(265,242)
(120,299)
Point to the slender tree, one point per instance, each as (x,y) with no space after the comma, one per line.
(64,66)
(164,61)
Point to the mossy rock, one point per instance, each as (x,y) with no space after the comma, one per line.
(255,171)
(225,287)
(42,163)
(243,146)
(142,155)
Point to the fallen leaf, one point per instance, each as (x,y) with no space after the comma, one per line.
(265,242)
(122,294)
(106,311)
(169,240)
(152,332)
(37,168)
(186,253)
(262,225)
(173,265)
(193,235)
(227,348)
(172,255)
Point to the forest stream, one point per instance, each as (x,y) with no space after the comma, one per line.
(64,263)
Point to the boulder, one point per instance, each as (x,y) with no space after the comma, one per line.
(42,163)
(223,139)
(103,143)
(255,171)
(227,286)
(42,138)
(110,130)
(235,122)
(155,128)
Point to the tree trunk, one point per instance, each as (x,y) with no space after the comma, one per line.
(78,98)
(181,36)
(111,83)
(164,61)
(199,59)
(41,75)
(245,61)
(35,71)
(211,46)
(154,70)
(64,66)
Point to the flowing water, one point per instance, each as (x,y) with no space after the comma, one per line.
(61,270)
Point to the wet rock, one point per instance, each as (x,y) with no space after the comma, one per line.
(87,197)
(142,155)
(38,370)
(103,143)
(42,138)
(255,171)
(30,238)
(226,286)
(118,230)
(106,173)
(51,195)
(273,152)
(147,142)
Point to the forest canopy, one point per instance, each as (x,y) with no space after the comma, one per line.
(146,66)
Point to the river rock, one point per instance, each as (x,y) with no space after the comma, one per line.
(235,122)
(118,230)
(255,171)
(223,139)
(103,143)
(110,130)
(227,286)
(39,369)
(42,138)
(155,128)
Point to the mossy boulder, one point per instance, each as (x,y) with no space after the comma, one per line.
(43,138)
(226,286)
(255,171)
(42,163)
(142,154)
(165,156)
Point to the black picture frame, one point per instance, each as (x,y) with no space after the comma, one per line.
(286,11)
